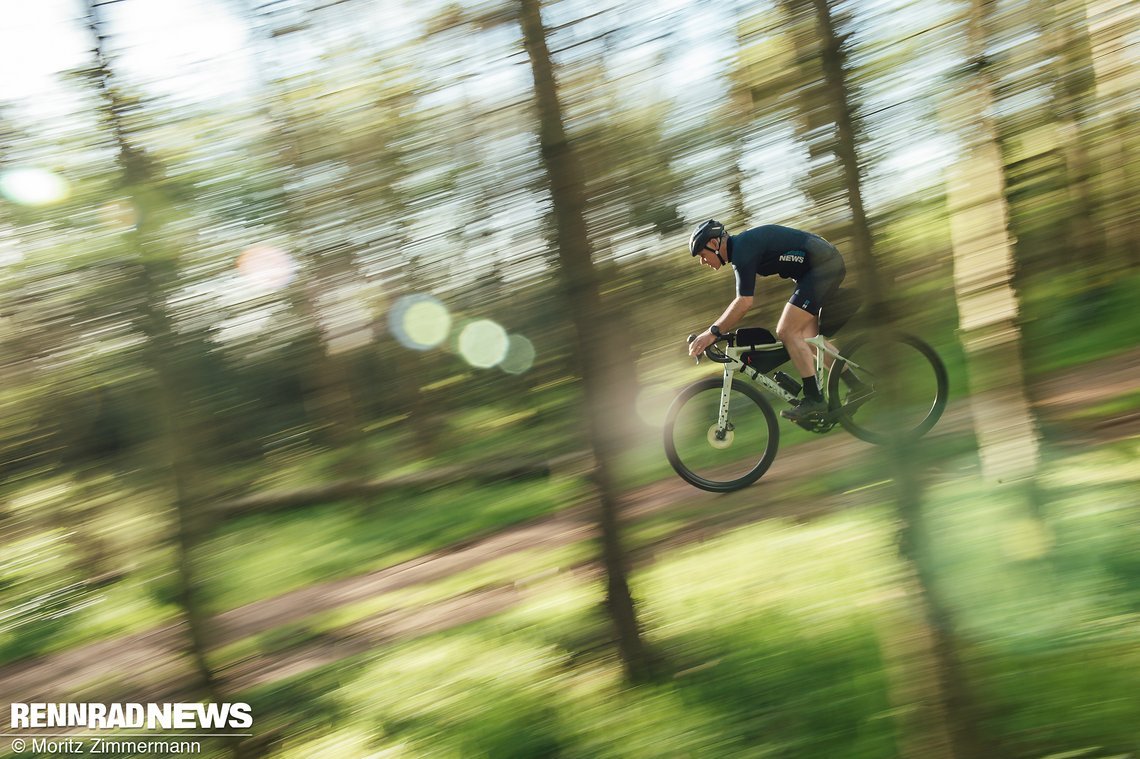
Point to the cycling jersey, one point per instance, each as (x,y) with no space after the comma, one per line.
(814,263)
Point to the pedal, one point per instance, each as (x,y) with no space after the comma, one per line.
(819,422)
(823,425)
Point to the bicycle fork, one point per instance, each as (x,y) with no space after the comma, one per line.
(725,390)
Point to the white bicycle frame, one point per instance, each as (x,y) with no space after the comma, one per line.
(819,343)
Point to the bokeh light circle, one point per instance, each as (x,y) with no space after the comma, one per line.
(33,187)
(419,321)
(520,355)
(483,343)
(266,268)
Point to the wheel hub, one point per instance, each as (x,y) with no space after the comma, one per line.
(720,440)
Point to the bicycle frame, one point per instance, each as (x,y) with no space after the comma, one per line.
(736,364)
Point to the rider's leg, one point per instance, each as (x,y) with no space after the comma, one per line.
(800,322)
(820,285)
(795,326)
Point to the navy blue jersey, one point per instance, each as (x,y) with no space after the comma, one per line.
(767,250)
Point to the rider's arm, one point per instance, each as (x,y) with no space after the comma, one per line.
(734,313)
(724,323)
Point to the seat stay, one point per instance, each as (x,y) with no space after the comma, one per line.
(819,342)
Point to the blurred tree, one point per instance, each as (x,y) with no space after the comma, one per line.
(632,192)
(629,162)
(1046,146)
(309,171)
(762,71)
(163,354)
(983,267)
(589,316)
(1073,89)
(818,34)
(737,121)
(828,122)
(821,118)
(1111,27)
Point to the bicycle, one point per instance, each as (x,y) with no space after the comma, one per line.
(715,427)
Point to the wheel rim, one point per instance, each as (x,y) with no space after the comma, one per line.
(747,447)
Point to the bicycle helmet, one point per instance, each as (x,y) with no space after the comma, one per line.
(705,231)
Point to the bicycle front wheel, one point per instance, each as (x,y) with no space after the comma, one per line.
(716,460)
(901,405)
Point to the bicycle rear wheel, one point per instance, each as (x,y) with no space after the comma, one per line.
(720,461)
(899,408)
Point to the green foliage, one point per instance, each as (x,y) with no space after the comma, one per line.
(776,634)
(1067,326)
(261,556)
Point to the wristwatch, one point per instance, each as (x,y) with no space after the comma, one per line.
(715,330)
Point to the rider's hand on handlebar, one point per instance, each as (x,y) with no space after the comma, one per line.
(703,341)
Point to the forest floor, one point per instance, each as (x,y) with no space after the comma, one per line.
(149,665)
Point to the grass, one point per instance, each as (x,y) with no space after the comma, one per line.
(262,556)
(774,634)
(1064,328)
(47,608)
(1053,613)
(523,567)
(249,559)
(514,685)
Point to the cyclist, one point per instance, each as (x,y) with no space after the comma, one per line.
(815,265)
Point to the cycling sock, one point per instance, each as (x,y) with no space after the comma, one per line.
(811,389)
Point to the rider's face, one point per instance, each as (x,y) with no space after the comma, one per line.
(708,255)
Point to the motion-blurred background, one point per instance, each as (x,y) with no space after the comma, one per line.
(334,333)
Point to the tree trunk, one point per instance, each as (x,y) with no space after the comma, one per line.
(590,325)
(983,270)
(1111,25)
(160,349)
(955,706)
(1069,75)
(830,191)
(739,116)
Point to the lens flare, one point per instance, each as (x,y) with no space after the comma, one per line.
(266,268)
(483,343)
(33,187)
(520,355)
(652,404)
(419,322)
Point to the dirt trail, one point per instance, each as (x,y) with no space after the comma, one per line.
(148,658)
(149,663)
